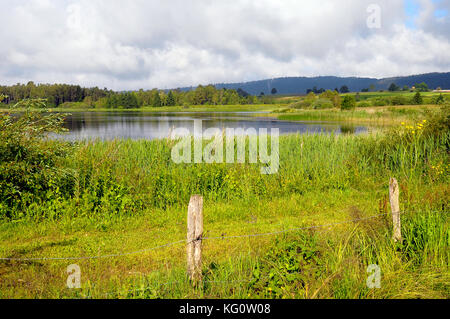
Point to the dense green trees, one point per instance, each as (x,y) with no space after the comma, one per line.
(55,94)
(123,100)
(417,99)
(394,87)
(170,99)
(345,89)
(73,95)
(422,87)
(348,103)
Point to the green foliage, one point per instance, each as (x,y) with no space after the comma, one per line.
(399,100)
(421,87)
(333,96)
(394,87)
(424,236)
(439,100)
(69,96)
(363,104)
(157,99)
(287,267)
(113,192)
(344,89)
(170,99)
(322,104)
(55,94)
(28,163)
(417,99)
(122,101)
(380,101)
(348,103)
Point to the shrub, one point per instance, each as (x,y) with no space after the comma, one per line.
(288,267)
(348,103)
(28,162)
(399,100)
(439,100)
(322,104)
(301,104)
(363,104)
(333,96)
(380,102)
(417,99)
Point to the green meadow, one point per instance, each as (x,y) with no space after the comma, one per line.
(310,231)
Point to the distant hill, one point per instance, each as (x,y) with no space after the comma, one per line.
(299,85)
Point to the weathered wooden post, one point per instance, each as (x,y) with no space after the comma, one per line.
(194,239)
(394,194)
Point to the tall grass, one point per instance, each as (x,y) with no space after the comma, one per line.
(122,189)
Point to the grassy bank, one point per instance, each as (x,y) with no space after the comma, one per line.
(387,115)
(120,197)
(193,108)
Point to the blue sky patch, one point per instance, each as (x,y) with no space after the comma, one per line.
(412,9)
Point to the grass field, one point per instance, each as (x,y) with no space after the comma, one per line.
(385,115)
(120,197)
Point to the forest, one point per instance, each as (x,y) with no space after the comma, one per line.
(64,95)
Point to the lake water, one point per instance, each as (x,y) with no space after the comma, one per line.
(145,125)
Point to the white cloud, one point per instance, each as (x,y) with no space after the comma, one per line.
(145,44)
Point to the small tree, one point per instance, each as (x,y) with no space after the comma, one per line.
(345,89)
(348,103)
(274,91)
(157,100)
(170,99)
(393,87)
(333,96)
(439,100)
(29,167)
(417,99)
(422,87)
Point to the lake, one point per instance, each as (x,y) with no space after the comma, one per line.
(146,125)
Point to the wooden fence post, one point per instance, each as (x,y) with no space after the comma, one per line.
(194,239)
(394,194)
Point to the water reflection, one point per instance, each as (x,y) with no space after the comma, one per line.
(141,125)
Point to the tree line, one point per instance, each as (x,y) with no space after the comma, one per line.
(65,95)
(55,94)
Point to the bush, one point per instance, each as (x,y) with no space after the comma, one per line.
(28,162)
(301,104)
(439,100)
(348,103)
(380,102)
(417,99)
(322,104)
(363,104)
(333,96)
(399,100)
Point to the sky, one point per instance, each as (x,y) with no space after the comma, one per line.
(134,44)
